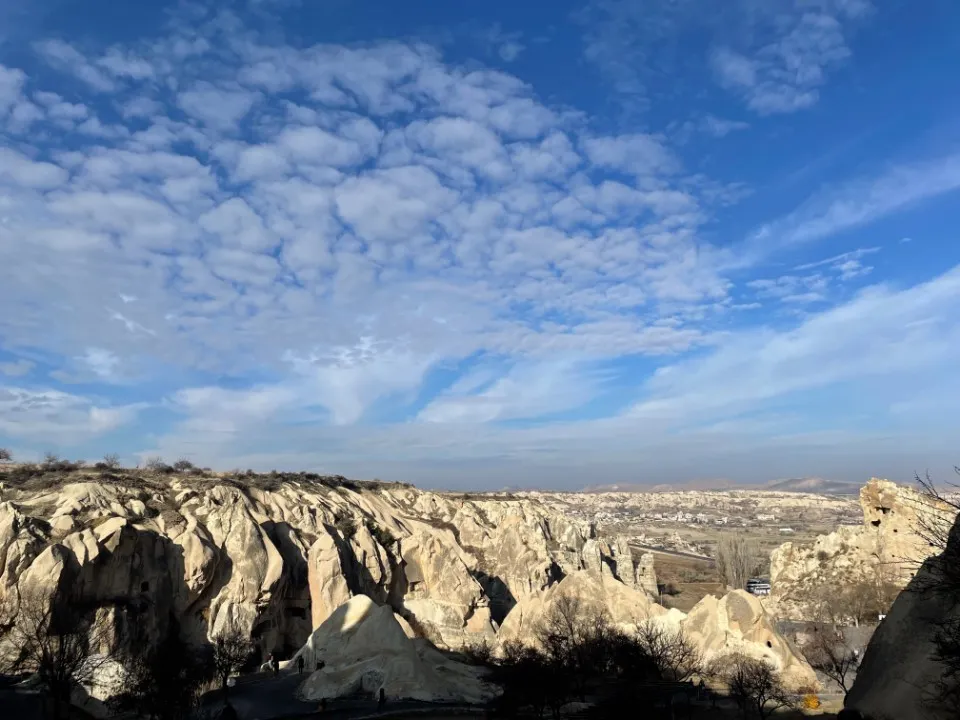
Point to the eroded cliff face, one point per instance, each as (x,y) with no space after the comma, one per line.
(901,675)
(880,556)
(214,555)
(275,559)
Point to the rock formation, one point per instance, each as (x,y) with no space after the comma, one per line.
(278,558)
(363,648)
(736,623)
(899,678)
(881,555)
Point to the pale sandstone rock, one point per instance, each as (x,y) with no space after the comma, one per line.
(886,547)
(328,582)
(364,648)
(270,564)
(737,623)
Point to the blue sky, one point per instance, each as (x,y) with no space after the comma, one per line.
(484,244)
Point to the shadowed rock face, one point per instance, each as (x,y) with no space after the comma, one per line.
(364,647)
(899,677)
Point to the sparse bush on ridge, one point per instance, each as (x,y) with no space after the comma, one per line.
(5,455)
(381,535)
(111,461)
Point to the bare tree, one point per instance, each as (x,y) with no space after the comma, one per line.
(231,651)
(755,684)
(111,461)
(51,639)
(5,455)
(674,656)
(737,558)
(935,519)
(829,652)
(936,525)
(164,682)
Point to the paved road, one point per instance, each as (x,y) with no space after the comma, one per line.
(675,553)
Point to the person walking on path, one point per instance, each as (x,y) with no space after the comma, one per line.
(382,699)
(300,665)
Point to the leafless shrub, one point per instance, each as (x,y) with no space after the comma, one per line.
(231,651)
(111,461)
(51,639)
(478,653)
(675,657)
(5,455)
(755,684)
(935,518)
(935,525)
(828,651)
(164,682)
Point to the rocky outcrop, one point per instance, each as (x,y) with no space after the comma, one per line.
(900,677)
(274,559)
(278,560)
(738,623)
(735,623)
(883,553)
(363,648)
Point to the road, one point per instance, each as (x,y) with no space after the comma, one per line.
(674,553)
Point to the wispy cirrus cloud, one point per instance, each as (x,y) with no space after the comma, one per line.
(864,200)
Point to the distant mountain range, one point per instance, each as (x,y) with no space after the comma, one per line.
(805,485)
(815,485)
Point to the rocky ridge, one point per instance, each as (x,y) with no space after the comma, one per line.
(274,559)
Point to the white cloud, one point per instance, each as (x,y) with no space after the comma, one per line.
(126,65)
(237,225)
(392,204)
(882,333)
(864,201)
(58,418)
(18,169)
(11,86)
(16,368)
(792,288)
(102,362)
(526,391)
(219,107)
(720,127)
(636,154)
(785,74)
(68,59)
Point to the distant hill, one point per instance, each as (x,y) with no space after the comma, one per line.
(805,485)
(814,485)
(717,484)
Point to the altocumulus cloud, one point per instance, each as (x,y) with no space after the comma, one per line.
(366,259)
